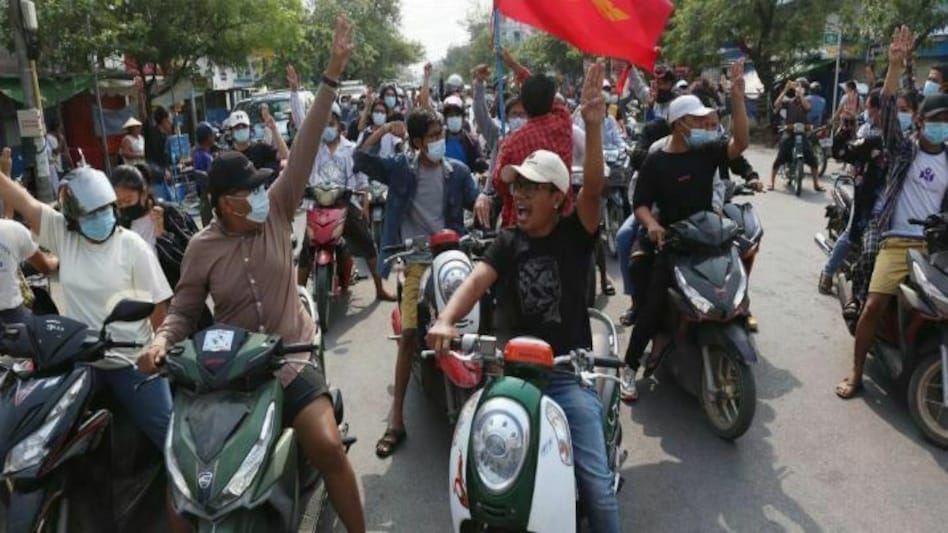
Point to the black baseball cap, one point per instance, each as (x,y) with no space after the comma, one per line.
(203,132)
(231,172)
(934,104)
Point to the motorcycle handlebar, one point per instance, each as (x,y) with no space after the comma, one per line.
(299,348)
(916,222)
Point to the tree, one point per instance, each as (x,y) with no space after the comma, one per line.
(773,34)
(543,52)
(875,20)
(479,49)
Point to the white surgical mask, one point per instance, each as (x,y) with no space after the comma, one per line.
(436,150)
(454,124)
(242,135)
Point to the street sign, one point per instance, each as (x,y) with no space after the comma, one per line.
(30,122)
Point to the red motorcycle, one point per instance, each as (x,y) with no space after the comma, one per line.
(332,270)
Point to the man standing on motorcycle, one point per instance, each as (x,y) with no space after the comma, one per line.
(534,267)
(427,193)
(679,181)
(793,100)
(916,187)
(241,260)
(334,167)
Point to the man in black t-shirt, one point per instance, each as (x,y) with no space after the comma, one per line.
(539,268)
(262,155)
(679,181)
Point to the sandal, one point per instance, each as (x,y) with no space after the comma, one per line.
(826,283)
(819,189)
(389,442)
(628,318)
(608,289)
(847,389)
(851,310)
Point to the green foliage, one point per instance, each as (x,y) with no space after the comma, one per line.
(875,20)
(542,52)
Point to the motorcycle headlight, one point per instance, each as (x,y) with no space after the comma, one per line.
(31,450)
(450,279)
(173,469)
(741,286)
(561,430)
(699,302)
(251,464)
(500,437)
(932,292)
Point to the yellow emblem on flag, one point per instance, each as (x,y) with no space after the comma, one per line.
(609,11)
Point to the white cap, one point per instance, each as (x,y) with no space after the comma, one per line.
(454,101)
(238,118)
(687,104)
(130,123)
(681,84)
(541,166)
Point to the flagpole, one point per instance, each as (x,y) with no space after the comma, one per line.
(501,103)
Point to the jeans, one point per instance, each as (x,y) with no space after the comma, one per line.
(584,415)
(853,232)
(625,237)
(149,407)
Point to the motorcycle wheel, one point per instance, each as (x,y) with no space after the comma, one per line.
(821,157)
(732,410)
(798,176)
(615,220)
(323,289)
(925,400)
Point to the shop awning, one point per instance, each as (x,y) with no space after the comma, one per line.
(53,90)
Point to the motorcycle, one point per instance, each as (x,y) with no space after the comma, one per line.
(822,140)
(794,171)
(233,465)
(73,461)
(615,208)
(511,461)
(837,219)
(708,346)
(378,194)
(333,267)
(449,261)
(39,285)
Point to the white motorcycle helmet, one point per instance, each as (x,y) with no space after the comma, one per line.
(83,191)
(455,83)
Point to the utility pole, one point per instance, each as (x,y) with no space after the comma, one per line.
(23,19)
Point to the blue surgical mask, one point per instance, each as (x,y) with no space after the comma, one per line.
(242,135)
(330,134)
(98,226)
(259,202)
(700,137)
(455,124)
(516,123)
(436,150)
(930,88)
(390,102)
(905,121)
(936,132)
(378,118)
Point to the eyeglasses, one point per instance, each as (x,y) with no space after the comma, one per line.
(527,187)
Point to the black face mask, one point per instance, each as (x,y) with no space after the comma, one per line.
(130,214)
(664,96)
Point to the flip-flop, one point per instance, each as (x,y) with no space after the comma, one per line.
(608,289)
(847,390)
(390,441)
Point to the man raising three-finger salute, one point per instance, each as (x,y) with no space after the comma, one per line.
(535,266)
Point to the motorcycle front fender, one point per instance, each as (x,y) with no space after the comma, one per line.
(733,336)
(462,375)
(324,257)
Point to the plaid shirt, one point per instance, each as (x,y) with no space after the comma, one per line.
(901,152)
(553,132)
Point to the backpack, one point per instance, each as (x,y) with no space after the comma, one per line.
(170,247)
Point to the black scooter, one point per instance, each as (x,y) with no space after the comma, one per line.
(72,461)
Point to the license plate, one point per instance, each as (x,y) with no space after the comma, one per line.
(826,143)
(376,215)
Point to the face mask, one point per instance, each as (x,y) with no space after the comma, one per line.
(242,135)
(129,214)
(609,97)
(905,121)
(436,151)
(516,123)
(390,102)
(378,118)
(664,96)
(259,206)
(454,124)
(930,88)
(700,137)
(98,226)
(936,132)
(792,93)
(330,134)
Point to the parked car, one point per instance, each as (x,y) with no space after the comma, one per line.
(279,104)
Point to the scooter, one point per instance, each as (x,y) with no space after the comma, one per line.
(794,171)
(615,208)
(233,465)
(511,461)
(333,266)
(73,461)
(837,219)
(378,195)
(448,258)
(708,347)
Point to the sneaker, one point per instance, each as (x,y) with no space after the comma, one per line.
(826,284)
(752,325)
(628,392)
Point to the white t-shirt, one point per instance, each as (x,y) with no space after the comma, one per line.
(95,277)
(145,228)
(921,195)
(16,246)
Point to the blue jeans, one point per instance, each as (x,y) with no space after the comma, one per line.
(853,232)
(584,415)
(149,407)
(625,237)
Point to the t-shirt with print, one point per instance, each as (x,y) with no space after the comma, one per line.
(921,196)
(541,284)
(16,246)
(679,184)
(95,277)
(425,215)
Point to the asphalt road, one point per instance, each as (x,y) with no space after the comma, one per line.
(810,462)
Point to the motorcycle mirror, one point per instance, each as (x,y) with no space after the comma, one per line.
(129,311)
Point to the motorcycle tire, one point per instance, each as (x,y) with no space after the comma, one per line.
(798,176)
(924,392)
(322,287)
(729,418)
(822,157)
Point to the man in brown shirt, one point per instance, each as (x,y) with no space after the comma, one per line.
(243,259)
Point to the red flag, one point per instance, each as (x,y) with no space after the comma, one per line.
(627,29)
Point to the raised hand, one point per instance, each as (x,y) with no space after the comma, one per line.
(903,41)
(737,77)
(428,70)
(481,73)
(397,129)
(266,117)
(292,78)
(594,105)
(341,48)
